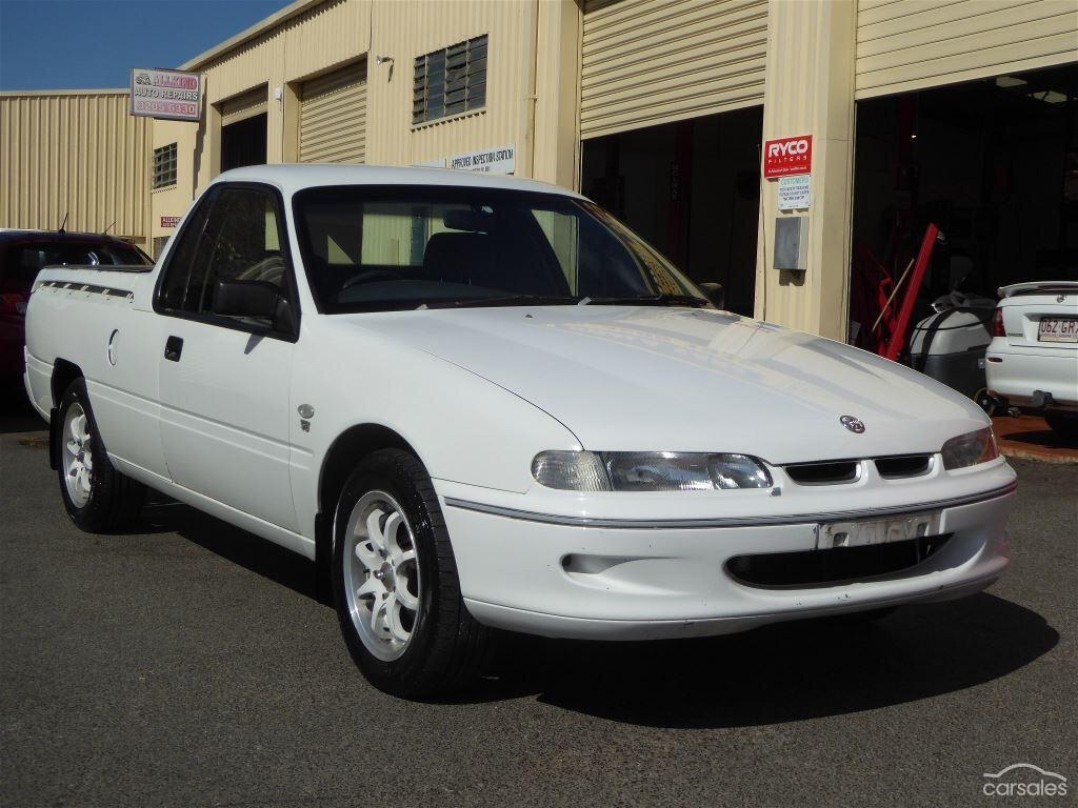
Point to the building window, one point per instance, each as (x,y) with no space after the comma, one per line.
(450,81)
(164,166)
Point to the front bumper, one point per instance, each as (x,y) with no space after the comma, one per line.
(598,579)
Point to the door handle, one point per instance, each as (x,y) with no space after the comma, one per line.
(173,349)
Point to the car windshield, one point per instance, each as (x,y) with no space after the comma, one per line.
(375,248)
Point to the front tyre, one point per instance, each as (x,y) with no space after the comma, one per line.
(97,497)
(395,582)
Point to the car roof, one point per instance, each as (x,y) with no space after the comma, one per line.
(290,178)
(17,236)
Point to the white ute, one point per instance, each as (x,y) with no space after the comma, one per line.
(1033,357)
(480,402)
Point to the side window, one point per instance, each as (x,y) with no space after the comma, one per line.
(236,235)
(177,275)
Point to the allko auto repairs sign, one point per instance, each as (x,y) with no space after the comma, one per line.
(787,156)
(166,94)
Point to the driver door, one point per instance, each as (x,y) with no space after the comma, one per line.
(224,380)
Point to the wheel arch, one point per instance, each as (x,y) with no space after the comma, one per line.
(63,374)
(347,449)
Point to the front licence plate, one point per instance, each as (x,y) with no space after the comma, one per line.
(876,531)
(1058,330)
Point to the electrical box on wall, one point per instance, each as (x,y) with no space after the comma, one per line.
(791,242)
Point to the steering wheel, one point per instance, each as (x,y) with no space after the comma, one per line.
(372,275)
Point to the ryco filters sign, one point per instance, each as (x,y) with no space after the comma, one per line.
(788,156)
(166,94)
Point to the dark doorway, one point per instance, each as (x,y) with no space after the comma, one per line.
(692,189)
(993,163)
(244,143)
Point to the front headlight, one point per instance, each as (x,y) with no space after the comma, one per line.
(648,471)
(970,449)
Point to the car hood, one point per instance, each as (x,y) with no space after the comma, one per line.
(676,379)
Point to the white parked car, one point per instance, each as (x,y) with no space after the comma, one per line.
(480,402)
(1032,361)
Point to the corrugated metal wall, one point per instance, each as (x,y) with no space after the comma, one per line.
(244,106)
(405,31)
(646,62)
(333,116)
(907,45)
(78,154)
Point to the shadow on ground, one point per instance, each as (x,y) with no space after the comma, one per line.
(776,674)
(781,673)
(16,414)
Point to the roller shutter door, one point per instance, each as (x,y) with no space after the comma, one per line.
(646,62)
(244,106)
(904,46)
(333,117)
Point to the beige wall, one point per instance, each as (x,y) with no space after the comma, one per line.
(533,109)
(648,62)
(77,154)
(81,153)
(925,43)
(809,91)
(824,55)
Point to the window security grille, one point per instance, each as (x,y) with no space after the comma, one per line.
(164,166)
(450,81)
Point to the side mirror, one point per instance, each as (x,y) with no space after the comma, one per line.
(715,293)
(246,299)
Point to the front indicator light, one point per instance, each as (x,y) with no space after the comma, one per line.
(570,471)
(648,471)
(970,449)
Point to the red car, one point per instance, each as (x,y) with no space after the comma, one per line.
(22,254)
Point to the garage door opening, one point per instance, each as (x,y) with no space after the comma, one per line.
(243,129)
(993,163)
(244,143)
(691,189)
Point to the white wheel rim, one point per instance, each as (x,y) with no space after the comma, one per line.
(381,576)
(78,460)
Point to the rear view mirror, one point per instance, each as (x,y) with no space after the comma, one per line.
(715,293)
(476,221)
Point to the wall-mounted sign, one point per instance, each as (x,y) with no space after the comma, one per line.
(170,221)
(166,94)
(795,193)
(787,156)
(490,161)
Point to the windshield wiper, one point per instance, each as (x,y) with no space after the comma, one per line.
(653,300)
(502,300)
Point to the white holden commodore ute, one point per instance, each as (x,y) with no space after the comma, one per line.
(481,403)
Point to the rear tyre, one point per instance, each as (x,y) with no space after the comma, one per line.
(395,582)
(1066,426)
(97,497)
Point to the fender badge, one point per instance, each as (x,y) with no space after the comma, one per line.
(306,413)
(852,424)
